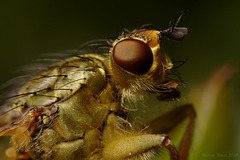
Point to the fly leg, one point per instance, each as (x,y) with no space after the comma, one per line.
(122,142)
(169,120)
(138,147)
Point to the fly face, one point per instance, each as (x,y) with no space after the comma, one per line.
(78,108)
(139,63)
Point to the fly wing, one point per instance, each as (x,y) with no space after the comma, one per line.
(47,87)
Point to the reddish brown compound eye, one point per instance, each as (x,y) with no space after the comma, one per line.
(133,55)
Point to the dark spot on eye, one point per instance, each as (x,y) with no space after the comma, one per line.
(133,55)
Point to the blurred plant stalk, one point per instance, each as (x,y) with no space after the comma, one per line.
(214,123)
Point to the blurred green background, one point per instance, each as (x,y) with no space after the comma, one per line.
(31,28)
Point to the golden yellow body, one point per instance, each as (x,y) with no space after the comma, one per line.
(77,108)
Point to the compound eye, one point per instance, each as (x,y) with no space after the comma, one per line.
(133,55)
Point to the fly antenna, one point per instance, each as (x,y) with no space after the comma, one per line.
(174,32)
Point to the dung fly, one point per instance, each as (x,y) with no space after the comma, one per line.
(78,108)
